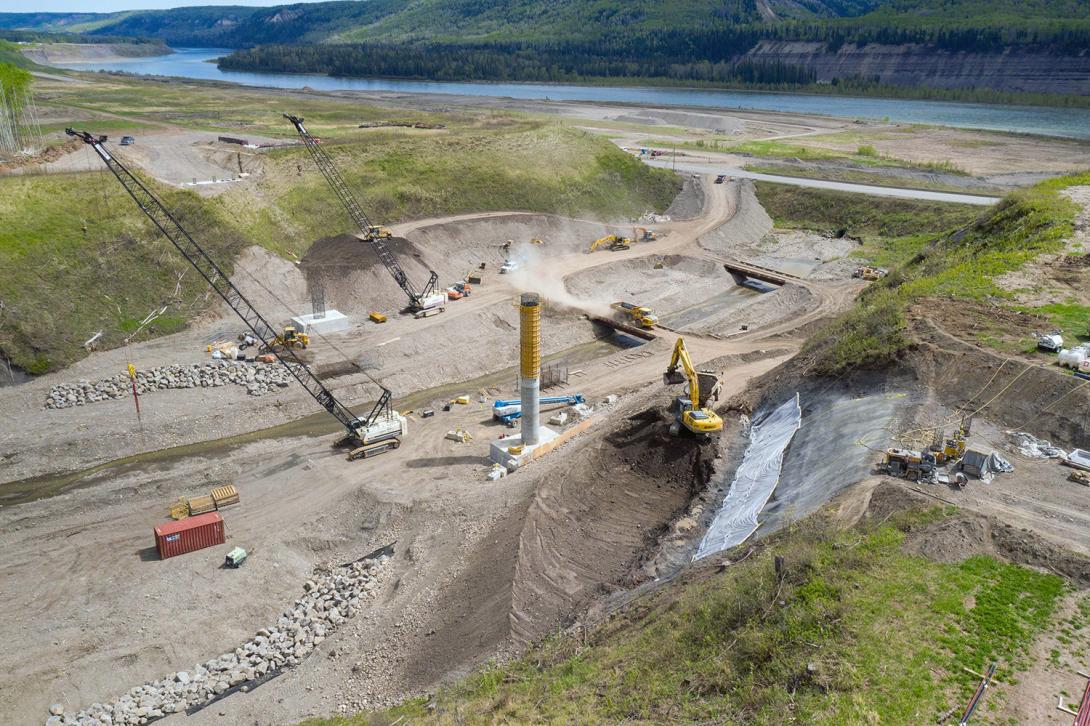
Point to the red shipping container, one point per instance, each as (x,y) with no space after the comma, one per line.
(187,535)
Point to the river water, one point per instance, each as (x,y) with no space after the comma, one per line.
(1070,122)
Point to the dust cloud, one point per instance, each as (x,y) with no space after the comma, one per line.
(538,273)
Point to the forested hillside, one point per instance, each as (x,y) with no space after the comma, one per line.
(969,46)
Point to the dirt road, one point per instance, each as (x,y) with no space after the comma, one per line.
(88,611)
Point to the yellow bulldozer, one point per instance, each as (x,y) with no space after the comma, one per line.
(291,338)
(692,414)
(376,232)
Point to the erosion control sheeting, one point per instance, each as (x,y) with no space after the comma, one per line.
(754,481)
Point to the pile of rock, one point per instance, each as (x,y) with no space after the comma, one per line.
(327,602)
(259,379)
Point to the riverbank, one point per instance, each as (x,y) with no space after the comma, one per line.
(192,63)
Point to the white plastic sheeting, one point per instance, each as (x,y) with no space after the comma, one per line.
(1032,447)
(754,481)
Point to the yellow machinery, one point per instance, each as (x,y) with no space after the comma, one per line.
(615,243)
(379,232)
(291,338)
(948,450)
(870,273)
(644,317)
(692,413)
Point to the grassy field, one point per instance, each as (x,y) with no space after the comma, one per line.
(81,258)
(518,166)
(857,632)
(864,155)
(854,175)
(963,263)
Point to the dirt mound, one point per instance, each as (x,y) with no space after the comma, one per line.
(746,228)
(602,507)
(457,246)
(1019,395)
(689,203)
(353,276)
(966,534)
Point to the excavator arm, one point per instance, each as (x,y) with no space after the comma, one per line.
(218,280)
(672,376)
(370,232)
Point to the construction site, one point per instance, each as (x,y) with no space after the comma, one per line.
(419,447)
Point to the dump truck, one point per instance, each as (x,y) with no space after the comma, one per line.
(638,314)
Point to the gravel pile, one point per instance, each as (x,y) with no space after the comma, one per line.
(259,379)
(328,601)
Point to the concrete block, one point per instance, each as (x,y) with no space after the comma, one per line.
(332,322)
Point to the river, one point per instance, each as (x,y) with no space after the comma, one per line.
(1069,122)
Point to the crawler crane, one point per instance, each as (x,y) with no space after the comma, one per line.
(421,302)
(375,433)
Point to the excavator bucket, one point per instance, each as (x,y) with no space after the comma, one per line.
(673,377)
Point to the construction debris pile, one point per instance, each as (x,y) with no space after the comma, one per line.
(259,379)
(328,601)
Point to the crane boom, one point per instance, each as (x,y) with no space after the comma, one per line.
(417,298)
(214,276)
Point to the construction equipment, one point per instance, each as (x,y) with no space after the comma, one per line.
(643,234)
(949,450)
(465,288)
(375,433)
(642,316)
(291,338)
(508,266)
(692,413)
(867,272)
(235,558)
(428,298)
(908,464)
(376,317)
(616,243)
(1052,342)
(510,410)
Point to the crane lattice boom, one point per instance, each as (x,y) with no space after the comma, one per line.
(370,232)
(211,272)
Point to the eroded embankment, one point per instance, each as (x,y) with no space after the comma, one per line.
(602,507)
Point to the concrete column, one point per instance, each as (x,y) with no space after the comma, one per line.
(530,366)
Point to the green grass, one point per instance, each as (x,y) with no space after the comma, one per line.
(864,156)
(79,257)
(962,264)
(869,176)
(524,166)
(859,215)
(62,284)
(1069,318)
(857,632)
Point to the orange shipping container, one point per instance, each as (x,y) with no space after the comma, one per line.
(194,533)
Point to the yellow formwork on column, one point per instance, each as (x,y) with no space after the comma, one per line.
(530,335)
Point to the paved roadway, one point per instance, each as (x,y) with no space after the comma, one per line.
(718,167)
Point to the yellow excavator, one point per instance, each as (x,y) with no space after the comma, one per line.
(615,243)
(692,413)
